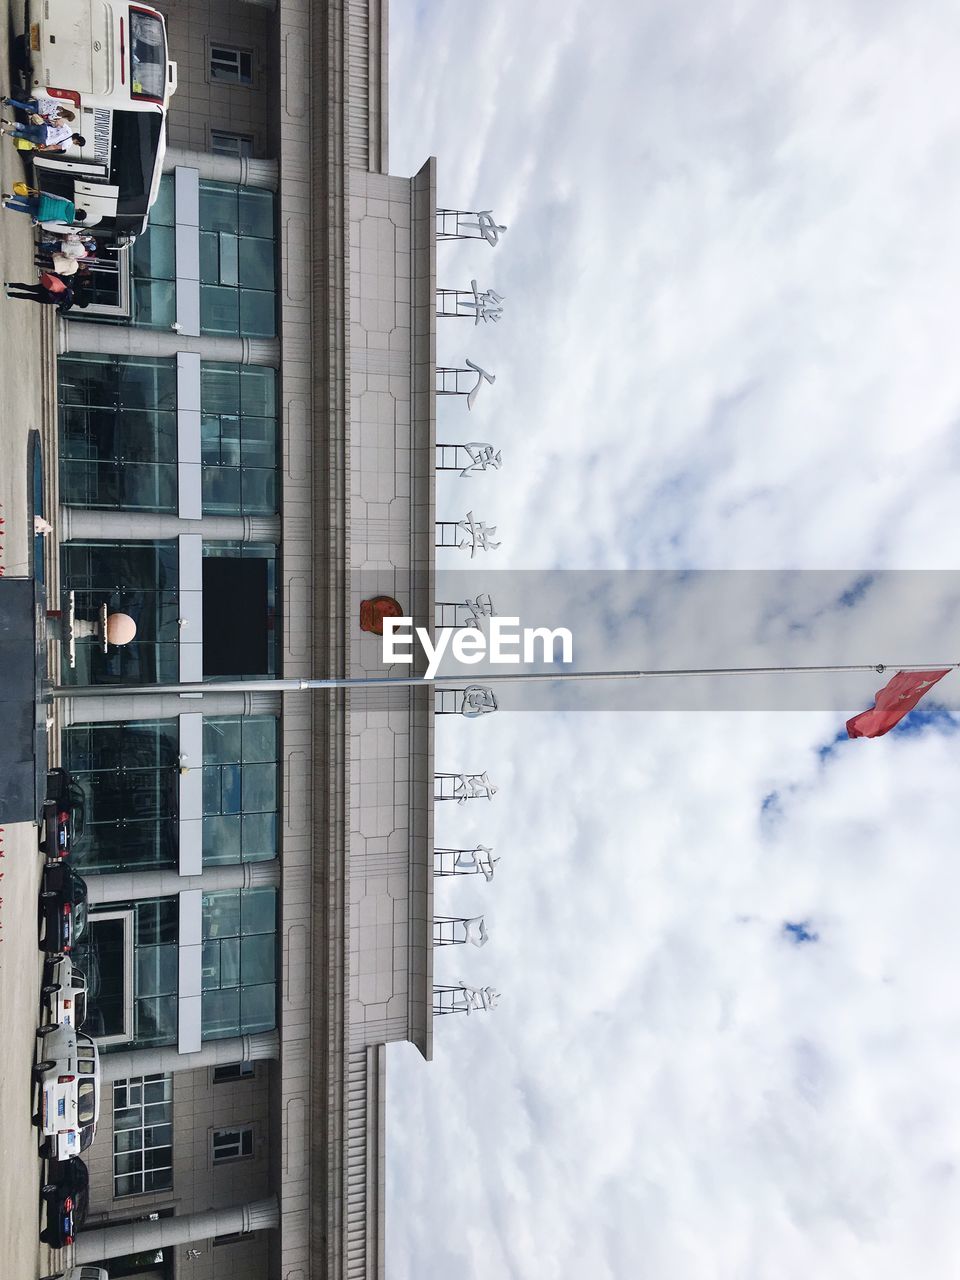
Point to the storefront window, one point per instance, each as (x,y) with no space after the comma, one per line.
(128,772)
(153,264)
(118,432)
(239,962)
(138,578)
(237,261)
(238,439)
(240,789)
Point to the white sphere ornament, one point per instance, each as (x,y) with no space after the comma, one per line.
(121,628)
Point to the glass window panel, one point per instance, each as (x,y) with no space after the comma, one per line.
(256,212)
(258,959)
(148,486)
(221,740)
(256,264)
(157,921)
(155,303)
(209,257)
(211,962)
(220,388)
(211,788)
(155,1091)
(144,435)
(258,1008)
(129,1186)
(163,212)
(258,910)
(157,1112)
(156,1020)
(259,788)
(259,440)
(153,254)
(258,314)
(210,440)
(156,1181)
(259,739)
(229,962)
(220,312)
(259,836)
(221,914)
(222,839)
(156,971)
(145,383)
(229,272)
(258,391)
(120,1094)
(229,440)
(126,1139)
(221,490)
(258,491)
(220,1014)
(157,1159)
(132,1162)
(90,484)
(219,207)
(127,1118)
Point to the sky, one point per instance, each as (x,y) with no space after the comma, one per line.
(728,1038)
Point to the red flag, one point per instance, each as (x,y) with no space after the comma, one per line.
(893,702)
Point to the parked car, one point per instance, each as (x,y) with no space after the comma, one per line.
(64,992)
(80,1273)
(65,1196)
(68,1085)
(64,811)
(63,907)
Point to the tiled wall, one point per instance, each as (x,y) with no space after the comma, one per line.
(201,104)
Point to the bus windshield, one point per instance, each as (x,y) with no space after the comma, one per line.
(148,56)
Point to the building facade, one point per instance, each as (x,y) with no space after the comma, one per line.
(245,448)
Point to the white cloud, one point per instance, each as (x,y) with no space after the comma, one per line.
(728,341)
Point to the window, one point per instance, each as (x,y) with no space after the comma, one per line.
(239,145)
(237,261)
(137,578)
(239,962)
(236,1238)
(240,789)
(148,57)
(239,439)
(129,774)
(234,1071)
(233,1144)
(129,955)
(118,432)
(231,66)
(153,263)
(142,1135)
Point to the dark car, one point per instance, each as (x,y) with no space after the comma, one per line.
(65,1196)
(64,811)
(63,907)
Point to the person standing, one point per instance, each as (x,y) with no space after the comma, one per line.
(43,135)
(49,291)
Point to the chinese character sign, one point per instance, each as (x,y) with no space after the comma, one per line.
(479,536)
(481,456)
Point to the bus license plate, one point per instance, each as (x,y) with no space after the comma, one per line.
(62,1107)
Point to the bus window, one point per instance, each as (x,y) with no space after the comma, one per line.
(134,147)
(148,56)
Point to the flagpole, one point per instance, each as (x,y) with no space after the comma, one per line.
(298,684)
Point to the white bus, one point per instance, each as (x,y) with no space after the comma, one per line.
(109,64)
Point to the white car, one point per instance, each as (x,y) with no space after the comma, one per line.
(80,1273)
(64,993)
(68,1083)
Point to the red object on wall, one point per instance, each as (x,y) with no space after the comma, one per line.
(373,612)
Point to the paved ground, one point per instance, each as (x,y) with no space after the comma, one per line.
(25,332)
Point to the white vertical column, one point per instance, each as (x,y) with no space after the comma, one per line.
(191,794)
(187,205)
(189,496)
(190,546)
(190,984)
